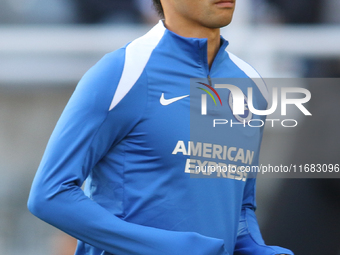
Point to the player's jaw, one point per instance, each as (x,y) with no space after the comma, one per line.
(222,12)
(194,15)
(213,13)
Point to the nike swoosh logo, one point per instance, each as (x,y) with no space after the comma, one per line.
(164,101)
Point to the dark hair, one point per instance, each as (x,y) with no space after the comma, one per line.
(158,6)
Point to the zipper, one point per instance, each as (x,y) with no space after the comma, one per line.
(218,55)
(209,80)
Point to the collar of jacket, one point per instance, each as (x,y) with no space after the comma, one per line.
(195,48)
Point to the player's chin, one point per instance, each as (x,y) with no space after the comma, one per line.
(220,22)
(222,17)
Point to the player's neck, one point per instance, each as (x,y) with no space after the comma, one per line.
(191,29)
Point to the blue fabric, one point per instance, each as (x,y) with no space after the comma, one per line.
(138,198)
(249,240)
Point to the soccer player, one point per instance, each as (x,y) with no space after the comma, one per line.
(126,130)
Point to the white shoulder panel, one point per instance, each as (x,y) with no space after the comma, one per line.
(137,55)
(251,73)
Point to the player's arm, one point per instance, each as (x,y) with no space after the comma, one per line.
(249,238)
(83,135)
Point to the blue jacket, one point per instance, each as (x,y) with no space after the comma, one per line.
(131,132)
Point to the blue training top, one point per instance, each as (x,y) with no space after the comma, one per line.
(126,131)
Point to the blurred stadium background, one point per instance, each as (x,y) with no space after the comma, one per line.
(47,45)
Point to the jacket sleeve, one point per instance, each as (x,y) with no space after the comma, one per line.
(249,238)
(83,135)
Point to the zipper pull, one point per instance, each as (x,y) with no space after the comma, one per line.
(209,80)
